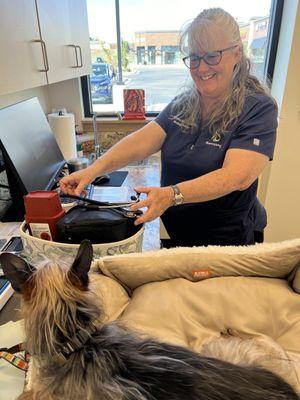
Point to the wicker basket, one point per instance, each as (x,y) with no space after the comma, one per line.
(37,250)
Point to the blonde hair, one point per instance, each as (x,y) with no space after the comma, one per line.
(186,108)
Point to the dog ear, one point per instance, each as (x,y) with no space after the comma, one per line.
(16,270)
(83,261)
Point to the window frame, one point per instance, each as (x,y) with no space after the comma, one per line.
(271,52)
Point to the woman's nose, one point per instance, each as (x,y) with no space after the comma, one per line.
(203,67)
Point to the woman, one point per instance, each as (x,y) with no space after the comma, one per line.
(215,140)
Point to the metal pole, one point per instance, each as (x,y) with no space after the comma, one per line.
(119,44)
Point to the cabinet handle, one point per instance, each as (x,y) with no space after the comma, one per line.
(45,57)
(74,47)
(80,53)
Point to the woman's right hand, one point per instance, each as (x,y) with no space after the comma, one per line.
(76,182)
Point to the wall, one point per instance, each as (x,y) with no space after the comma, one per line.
(40,92)
(66,94)
(156,38)
(283,193)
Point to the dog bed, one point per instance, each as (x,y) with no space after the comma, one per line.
(188,296)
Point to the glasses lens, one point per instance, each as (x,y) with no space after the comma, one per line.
(192,62)
(212,58)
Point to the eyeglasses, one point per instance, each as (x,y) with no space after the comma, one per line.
(211,58)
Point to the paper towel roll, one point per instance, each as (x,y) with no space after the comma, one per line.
(63,127)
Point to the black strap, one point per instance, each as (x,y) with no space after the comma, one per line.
(77,342)
(100,203)
(84,199)
(14,349)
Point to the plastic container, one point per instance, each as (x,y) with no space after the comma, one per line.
(42,211)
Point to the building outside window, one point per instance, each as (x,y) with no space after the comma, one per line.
(149,43)
(140,55)
(151,55)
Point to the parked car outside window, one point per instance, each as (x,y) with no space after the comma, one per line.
(102,80)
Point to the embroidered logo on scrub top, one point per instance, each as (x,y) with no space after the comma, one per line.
(213,144)
(256,142)
(216,137)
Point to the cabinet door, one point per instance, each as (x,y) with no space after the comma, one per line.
(80,36)
(22,63)
(55,24)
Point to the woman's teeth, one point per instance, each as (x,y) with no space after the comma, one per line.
(207,77)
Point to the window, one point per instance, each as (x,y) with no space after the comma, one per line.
(145,55)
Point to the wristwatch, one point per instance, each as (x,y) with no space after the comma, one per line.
(178,196)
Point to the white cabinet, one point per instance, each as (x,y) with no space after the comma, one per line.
(80,35)
(42,42)
(64,29)
(21,52)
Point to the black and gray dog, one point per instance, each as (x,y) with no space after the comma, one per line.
(77,357)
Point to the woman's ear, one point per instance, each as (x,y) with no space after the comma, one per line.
(16,270)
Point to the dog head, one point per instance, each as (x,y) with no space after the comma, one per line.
(21,274)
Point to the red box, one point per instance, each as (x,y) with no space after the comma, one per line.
(134,103)
(43,209)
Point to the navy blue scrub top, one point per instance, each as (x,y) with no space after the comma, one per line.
(231,219)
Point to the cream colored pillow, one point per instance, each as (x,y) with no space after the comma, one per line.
(277,260)
(112,295)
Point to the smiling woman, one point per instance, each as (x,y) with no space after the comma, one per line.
(220,134)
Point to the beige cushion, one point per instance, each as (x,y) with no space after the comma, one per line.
(253,291)
(112,295)
(268,259)
(192,313)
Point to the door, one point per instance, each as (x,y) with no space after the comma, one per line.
(22,61)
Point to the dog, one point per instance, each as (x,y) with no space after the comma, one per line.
(78,356)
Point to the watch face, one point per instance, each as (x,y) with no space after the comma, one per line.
(178,199)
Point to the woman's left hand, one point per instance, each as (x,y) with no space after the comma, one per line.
(157,201)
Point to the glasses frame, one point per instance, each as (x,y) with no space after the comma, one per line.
(199,58)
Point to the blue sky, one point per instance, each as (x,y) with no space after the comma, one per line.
(136,15)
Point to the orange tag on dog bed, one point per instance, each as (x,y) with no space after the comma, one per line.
(200,274)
